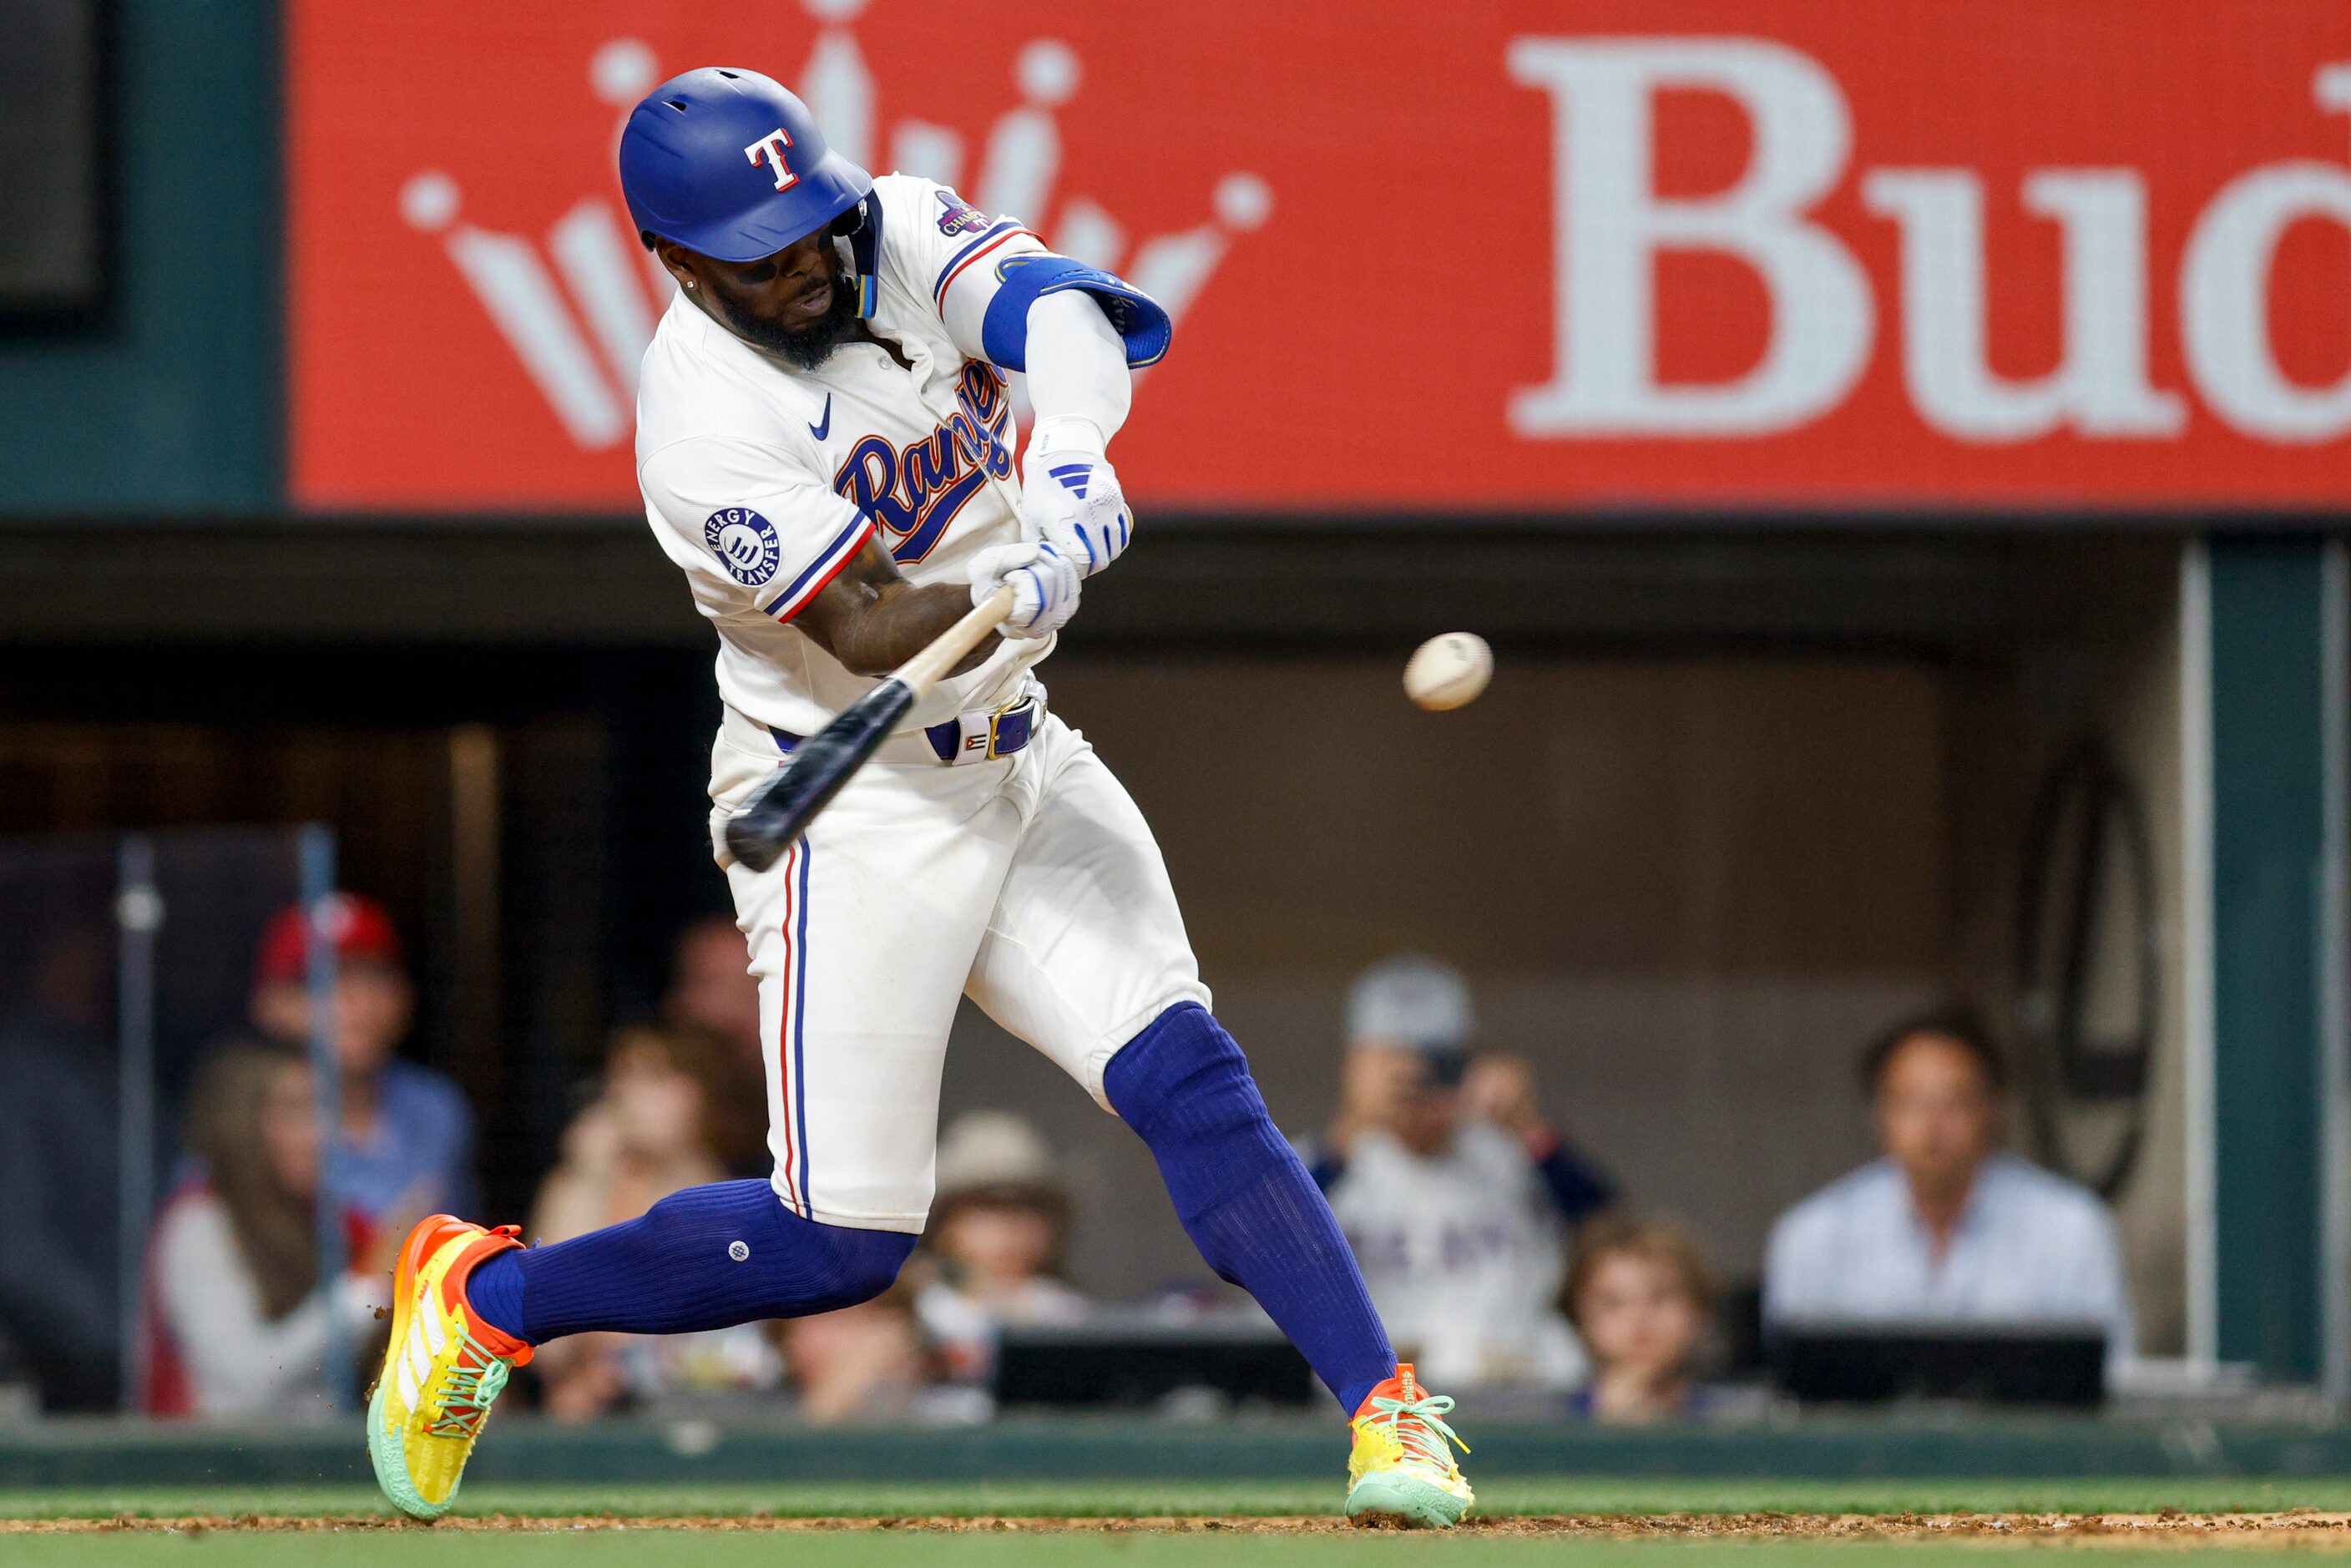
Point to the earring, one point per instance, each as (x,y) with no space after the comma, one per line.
(689,283)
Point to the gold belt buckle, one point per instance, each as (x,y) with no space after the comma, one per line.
(1027,709)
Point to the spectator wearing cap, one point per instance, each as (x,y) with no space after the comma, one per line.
(1944,1228)
(404,1144)
(996,1230)
(1454,1192)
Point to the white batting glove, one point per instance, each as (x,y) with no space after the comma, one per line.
(1043,581)
(1070,498)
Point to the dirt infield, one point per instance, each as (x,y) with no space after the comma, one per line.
(2299,1527)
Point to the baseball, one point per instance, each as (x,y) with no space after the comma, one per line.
(1448,671)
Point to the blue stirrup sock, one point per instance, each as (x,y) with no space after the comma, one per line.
(708,1257)
(1245,1198)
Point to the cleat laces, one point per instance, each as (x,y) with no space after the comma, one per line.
(1418,1427)
(472,1388)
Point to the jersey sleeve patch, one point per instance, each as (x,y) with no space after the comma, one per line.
(744,543)
(958,216)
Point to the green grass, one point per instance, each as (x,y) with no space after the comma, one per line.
(657,1548)
(646,1548)
(1098,1498)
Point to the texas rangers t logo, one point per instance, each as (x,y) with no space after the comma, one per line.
(771,148)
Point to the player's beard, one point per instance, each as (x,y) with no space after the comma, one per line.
(806,346)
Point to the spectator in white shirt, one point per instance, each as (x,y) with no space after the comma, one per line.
(1456,1195)
(1944,1230)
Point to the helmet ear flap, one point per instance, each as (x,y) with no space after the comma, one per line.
(857,235)
(843,230)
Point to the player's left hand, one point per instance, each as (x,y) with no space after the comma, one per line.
(1070,498)
(1044,584)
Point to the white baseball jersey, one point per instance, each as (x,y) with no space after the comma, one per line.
(762,479)
(1462,1253)
(1021,877)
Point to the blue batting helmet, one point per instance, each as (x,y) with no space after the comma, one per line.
(727,163)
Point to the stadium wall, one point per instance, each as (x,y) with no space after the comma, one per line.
(167,403)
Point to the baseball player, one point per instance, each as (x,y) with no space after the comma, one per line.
(825,446)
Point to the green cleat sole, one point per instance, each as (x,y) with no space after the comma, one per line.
(1413,1502)
(392,1469)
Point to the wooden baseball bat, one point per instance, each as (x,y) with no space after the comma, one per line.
(780,810)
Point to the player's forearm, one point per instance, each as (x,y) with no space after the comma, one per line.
(898,621)
(872,620)
(1079,385)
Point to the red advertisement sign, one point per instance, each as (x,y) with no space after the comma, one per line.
(1511,256)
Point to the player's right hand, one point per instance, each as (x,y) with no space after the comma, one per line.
(1071,496)
(1044,584)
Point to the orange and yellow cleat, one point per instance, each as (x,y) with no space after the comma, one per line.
(442,1370)
(1402,1469)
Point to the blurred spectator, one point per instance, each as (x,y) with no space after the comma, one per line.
(641,1139)
(710,984)
(59,1170)
(1944,1230)
(236,1323)
(1640,1295)
(405,1142)
(864,1363)
(1453,1191)
(996,1230)
(711,989)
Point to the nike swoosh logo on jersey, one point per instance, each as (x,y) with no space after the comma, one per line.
(823,427)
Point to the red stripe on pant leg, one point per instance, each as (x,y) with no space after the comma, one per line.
(784,1040)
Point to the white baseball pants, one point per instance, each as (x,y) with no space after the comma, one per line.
(1029,884)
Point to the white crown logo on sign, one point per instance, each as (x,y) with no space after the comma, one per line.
(581,339)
